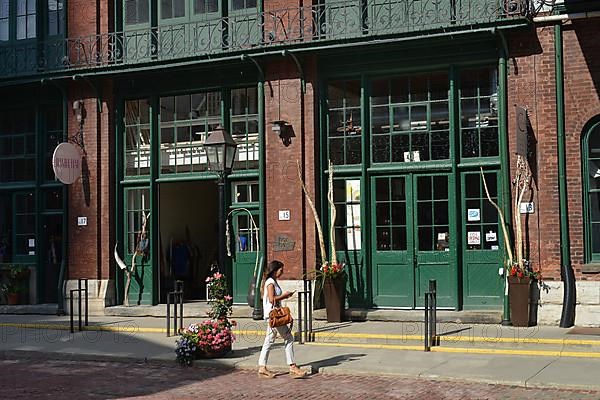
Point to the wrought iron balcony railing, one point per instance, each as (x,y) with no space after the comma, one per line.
(356,20)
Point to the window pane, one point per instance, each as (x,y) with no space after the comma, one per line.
(166,10)
(3,29)
(31,26)
(4,8)
(21,27)
(21,7)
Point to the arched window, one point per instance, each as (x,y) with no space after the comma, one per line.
(591,183)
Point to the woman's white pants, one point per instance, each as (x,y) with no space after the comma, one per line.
(288,338)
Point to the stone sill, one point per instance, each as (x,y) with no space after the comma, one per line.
(591,268)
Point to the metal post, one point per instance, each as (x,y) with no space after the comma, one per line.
(86,303)
(300,330)
(306,296)
(427,344)
(79,304)
(433,330)
(168,314)
(310,310)
(71,310)
(175,313)
(221,239)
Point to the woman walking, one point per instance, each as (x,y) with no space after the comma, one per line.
(272,296)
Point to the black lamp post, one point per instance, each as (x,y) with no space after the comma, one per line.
(220,150)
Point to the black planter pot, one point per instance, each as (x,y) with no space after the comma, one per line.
(333,291)
(519,290)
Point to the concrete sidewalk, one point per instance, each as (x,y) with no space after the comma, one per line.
(530,357)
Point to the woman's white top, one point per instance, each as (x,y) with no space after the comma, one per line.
(267,306)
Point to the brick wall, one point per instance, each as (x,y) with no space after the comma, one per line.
(283,102)
(532,84)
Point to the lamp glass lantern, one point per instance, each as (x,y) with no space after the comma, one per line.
(220,150)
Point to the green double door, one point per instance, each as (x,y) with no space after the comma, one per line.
(413,239)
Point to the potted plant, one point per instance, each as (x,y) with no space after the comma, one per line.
(331,273)
(517,269)
(213,337)
(14,284)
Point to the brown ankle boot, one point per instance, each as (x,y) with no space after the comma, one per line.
(296,372)
(263,372)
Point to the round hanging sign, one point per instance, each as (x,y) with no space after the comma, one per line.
(66,163)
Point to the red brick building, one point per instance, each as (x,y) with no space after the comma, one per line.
(410,100)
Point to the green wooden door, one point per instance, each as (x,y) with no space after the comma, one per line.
(137,205)
(413,239)
(246,253)
(434,230)
(393,243)
(482,247)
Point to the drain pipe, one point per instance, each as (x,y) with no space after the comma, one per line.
(567,318)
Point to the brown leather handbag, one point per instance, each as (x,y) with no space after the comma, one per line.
(280,316)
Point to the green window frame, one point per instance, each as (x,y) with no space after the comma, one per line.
(591,183)
(137,205)
(53,136)
(243,116)
(344,122)
(410,118)
(26,19)
(481,218)
(390,223)
(136,13)
(347,224)
(245,195)
(55,18)
(137,137)
(479,133)
(25,238)
(432,204)
(18,157)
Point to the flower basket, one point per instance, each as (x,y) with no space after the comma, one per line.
(213,337)
(333,291)
(204,354)
(519,294)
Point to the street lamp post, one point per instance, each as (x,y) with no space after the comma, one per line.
(220,151)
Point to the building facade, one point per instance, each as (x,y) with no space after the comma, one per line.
(413,105)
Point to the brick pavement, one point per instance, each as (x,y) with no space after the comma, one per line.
(39,378)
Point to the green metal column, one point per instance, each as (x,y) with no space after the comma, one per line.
(568,276)
(257,314)
(505,165)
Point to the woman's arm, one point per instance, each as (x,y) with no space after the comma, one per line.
(273,298)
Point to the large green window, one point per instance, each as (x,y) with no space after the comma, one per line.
(137,137)
(246,233)
(344,122)
(17,145)
(410,119)
(185,122)
(591,175)
(479,113)
(18,19)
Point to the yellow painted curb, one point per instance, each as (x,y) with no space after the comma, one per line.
(539,353)
(336,335)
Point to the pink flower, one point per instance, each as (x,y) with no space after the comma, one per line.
(228,298)
(208,279)
(217,275)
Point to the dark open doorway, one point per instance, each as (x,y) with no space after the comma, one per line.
(188,214)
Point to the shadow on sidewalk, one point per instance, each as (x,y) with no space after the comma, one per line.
(337,360)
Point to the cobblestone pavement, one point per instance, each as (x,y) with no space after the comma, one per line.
(36,379)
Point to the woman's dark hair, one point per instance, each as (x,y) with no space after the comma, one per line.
(273,267)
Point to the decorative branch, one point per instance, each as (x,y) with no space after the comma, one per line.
(315,214)
(501,216)
(333,214)
(139,251)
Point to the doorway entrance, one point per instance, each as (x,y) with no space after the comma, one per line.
(413,239)
(188,238)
